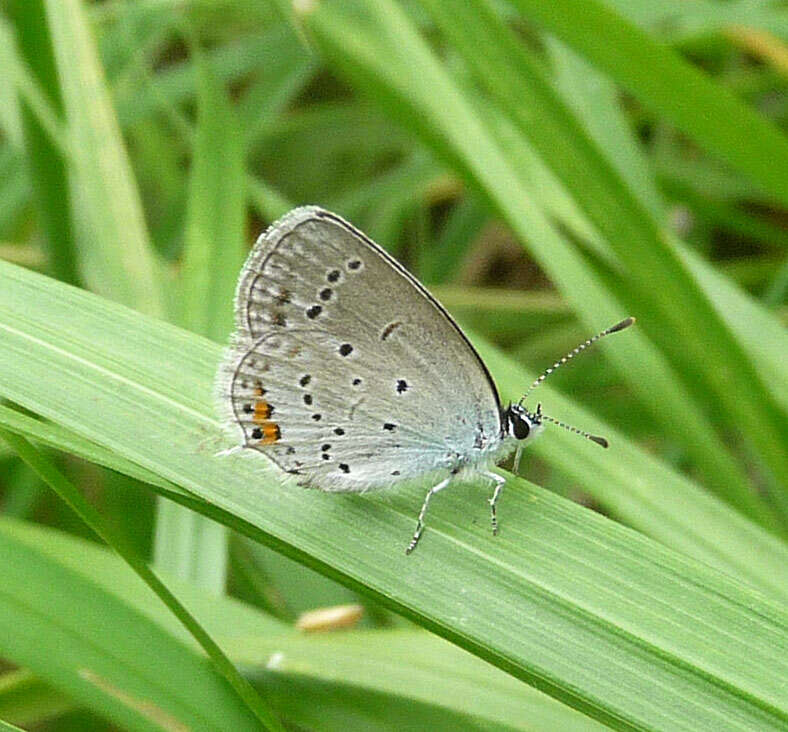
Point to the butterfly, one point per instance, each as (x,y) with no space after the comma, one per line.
(347,374)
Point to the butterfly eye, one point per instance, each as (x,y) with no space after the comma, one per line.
(520,426)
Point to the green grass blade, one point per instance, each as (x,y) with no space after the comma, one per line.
(47,166)
(117,257)
(215,246)
(405,666)
(7,727)
(716,119)
(660,502)
(602,618)
(57,481)
(26,700)
(59,438)
(131,671)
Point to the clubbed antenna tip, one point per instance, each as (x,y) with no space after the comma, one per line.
(594,438)
(623,324)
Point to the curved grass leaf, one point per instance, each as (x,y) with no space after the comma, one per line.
(637,488)
(404,666)
(117,259)
(26,700)
(47,624)
(716,119)
(46,163)
(6,727)
(597,615)
(246,700)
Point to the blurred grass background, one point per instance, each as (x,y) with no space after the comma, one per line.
(545,169)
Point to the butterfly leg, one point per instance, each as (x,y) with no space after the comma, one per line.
(420,525)
(516,464)
(499,484)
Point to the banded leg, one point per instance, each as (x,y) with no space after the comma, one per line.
(420,525)
(499,484)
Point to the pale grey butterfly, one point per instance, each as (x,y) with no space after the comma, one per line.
(346,373)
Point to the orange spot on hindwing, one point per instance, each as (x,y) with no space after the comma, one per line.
(271,433)
(262,411)
(264,432)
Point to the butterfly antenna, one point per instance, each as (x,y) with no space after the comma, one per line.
(569,356)
(594,438)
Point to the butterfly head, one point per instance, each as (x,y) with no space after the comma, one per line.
(522,424)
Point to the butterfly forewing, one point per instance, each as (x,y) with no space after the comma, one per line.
(344,370)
